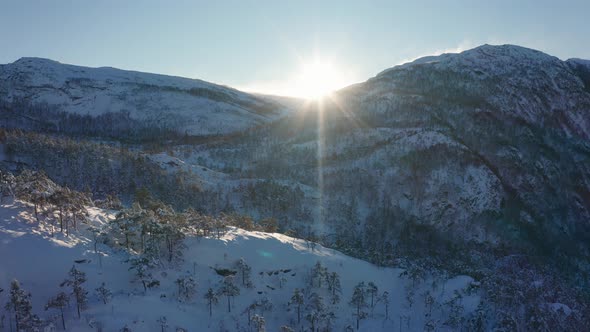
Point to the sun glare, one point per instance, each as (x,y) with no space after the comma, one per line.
(318,78)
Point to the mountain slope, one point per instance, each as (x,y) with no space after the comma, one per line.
(180,104)
(490,145)
(520,116)
(23,241)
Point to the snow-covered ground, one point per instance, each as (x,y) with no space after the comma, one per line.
(41,262)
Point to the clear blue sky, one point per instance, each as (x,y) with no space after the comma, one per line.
(260,44)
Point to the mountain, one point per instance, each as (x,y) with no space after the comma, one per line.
(180,104)
(487,146)
(493,137)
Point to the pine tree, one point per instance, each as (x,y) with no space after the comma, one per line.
(60,199)
(298,300)
(249,310)
(386,302)
(187,287)
(229,289)
(142,273)
(264,304)
(172,225)
(245,271)
(98,236)
(7,183)
(60,301)
(163,322)
(20,305)
(334,287)
(103,293)
(318,273)
(75,281)
(372,290)
(359,302)
(317,310)
(34,187)
(212,299)
(126,223)
(428,301)
(259,323)
(429,325)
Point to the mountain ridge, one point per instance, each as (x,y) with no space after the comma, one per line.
(178,103)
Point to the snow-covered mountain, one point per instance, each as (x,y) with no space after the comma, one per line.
(496,129)
(185,105)
(489,145)
(516,81)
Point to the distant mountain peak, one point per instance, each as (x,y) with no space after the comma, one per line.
(483,56)
(35,62)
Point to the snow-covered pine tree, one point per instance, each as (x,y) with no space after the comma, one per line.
(333,280)
(60,301)
(7,183)
(297,300)
(250,308)
(163,322)
(318,273)
(20,305)
(245,272)
(34,187)
(212,299)
(372,290)
(59,200)
(384,298)
(359,302)
(103,293)
(259,323)
(173,237)
(140,265)
(316,310)
(126,223)
(187,288)
(428,301)
(265,304)
(229,289)
(98,236)
(75,280)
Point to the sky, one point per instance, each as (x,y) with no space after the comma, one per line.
(281,47)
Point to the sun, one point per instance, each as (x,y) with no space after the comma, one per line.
(318,78)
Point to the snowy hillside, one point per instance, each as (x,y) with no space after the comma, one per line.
(185,105)
(279,265)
